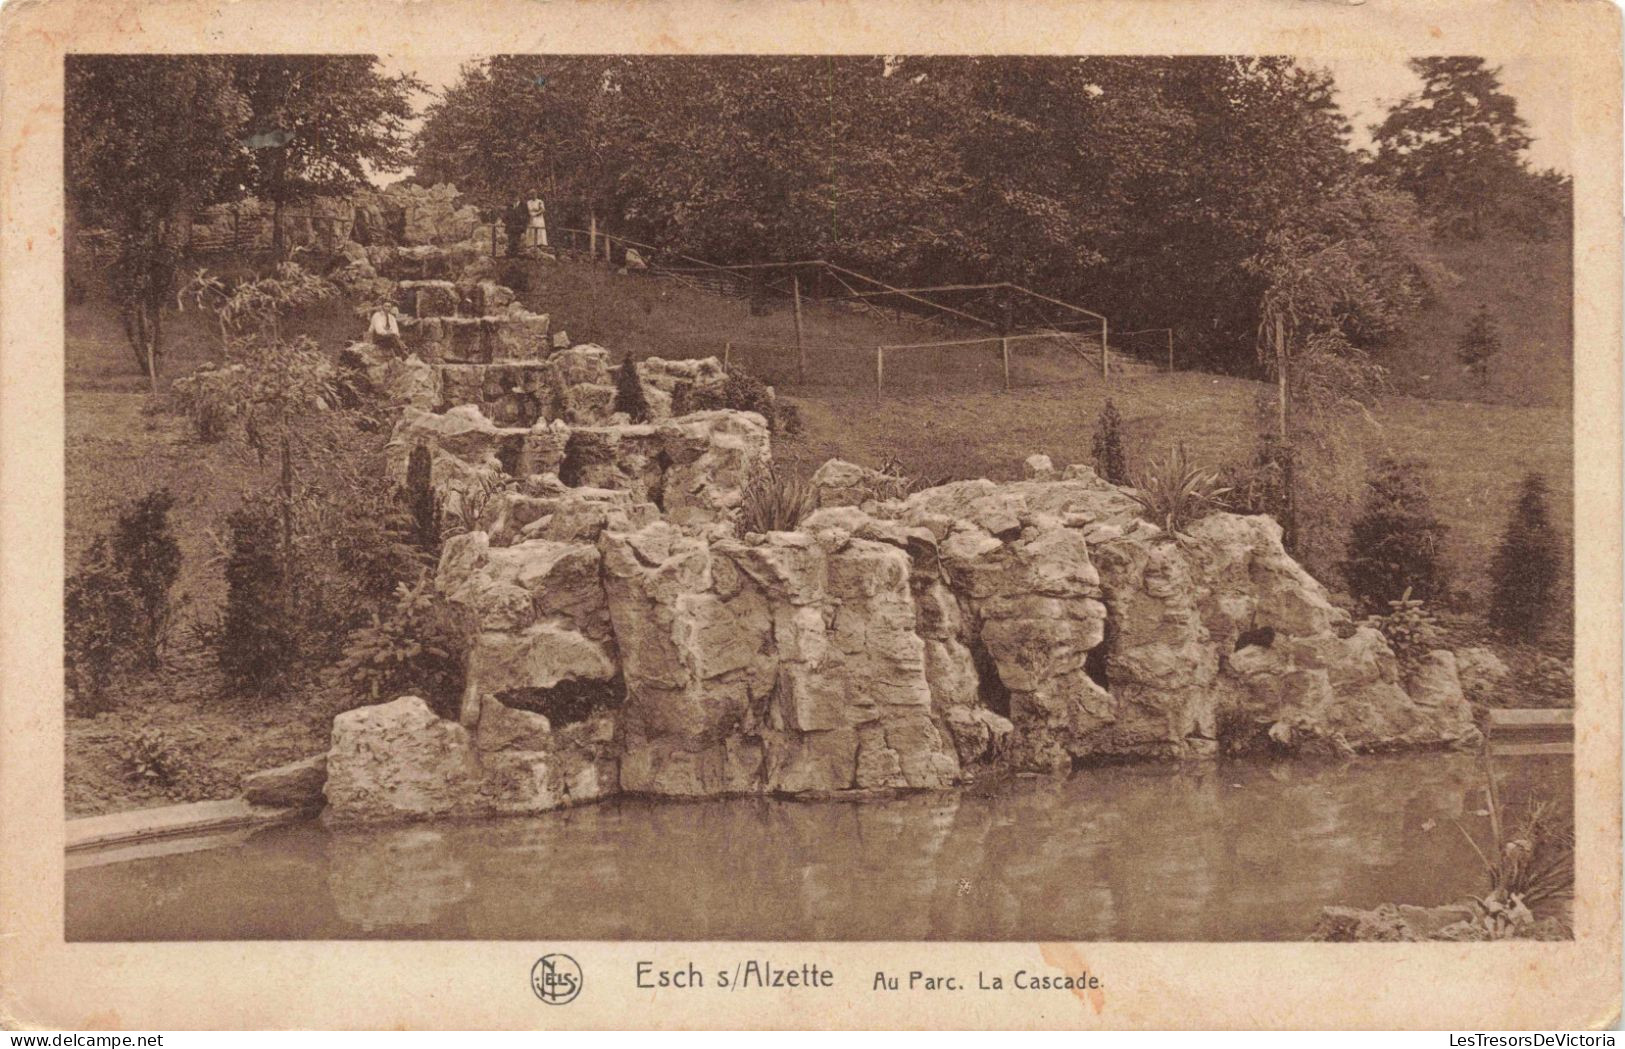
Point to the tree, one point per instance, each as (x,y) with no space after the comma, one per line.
(1458,146)
(318,125)
(1396,547)
(1526,567)
(148,139)
(1136,186)
(1479,343)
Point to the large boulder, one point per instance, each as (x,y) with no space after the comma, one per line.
(400,761)
(1482,673)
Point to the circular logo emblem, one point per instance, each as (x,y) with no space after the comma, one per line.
(556,979)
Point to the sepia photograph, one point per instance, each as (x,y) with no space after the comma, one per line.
(959,498)
(796,498)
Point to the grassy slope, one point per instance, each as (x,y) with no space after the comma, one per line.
(944,415)
(1526,288)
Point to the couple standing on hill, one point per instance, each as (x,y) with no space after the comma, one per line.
(526,224)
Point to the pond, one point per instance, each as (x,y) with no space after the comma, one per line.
(1234,850)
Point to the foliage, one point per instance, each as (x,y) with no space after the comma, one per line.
(151,756)
(1458,145)
(1107,446)
(256,642)
(1530,864)
(1174,491)
(1480,341)
(776,499)
(923,170)
(744,392)
(318,124)
(629,392)
(148,139)
(418,647)
(1412,631)
(421,497)
(1396,545)
(118,605)
(1527,566)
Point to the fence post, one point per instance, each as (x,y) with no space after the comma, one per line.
(727,353)
(1170,351)
(1105,370)
(607,260)
(880,371)
(801,350)
(1004,351)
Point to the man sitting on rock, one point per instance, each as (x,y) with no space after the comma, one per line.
(384,329)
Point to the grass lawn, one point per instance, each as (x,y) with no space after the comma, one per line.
(945,415)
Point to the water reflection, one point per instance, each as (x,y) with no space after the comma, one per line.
(1224,851)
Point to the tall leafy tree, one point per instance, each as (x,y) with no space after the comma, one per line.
(148,139)
(1458,145)
(318,125)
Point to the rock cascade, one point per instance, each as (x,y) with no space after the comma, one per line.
(887,643)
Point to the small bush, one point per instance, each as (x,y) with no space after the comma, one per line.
(119,610)
(775,500)
(1174,492)
(742,392)
(257,641)
(1479,343)
(629,396)
(1527,566)
(151,757)
(416,647)
(1107,446)
(1396,545)
(1412,631)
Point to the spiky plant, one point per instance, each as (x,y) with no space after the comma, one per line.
(775,500)
(1174,491)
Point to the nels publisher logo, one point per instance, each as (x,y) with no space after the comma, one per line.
(556,979)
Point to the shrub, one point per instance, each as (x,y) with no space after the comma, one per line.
(775,500)
(743,392)
(1396,545)
(417,647)
(1107,446)
(629,392)
(151,756)
(420,497)
(1412,631)
(118,606)
(1173,492)
(98,608)
(1526,567)
(149,557)
(1479,343)
(257,637)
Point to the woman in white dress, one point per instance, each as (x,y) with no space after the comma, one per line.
(538,222)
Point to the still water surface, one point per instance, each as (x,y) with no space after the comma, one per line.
(1246,850)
